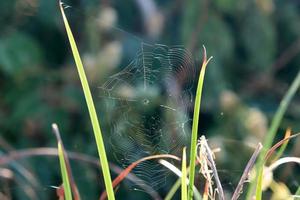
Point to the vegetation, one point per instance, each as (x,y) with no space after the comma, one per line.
(147,91)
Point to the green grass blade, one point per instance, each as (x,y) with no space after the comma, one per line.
(258,194)
(173,190)
(175,187)
(195,126)
(91,108)
(273,129)
(183,177)
(280,112)
(64,173)
(66,163)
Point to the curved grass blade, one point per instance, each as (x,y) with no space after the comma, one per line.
(274,128)
(288,133)
(91,108)
(177,184)
(183,177)
(279,144)
(195,125)
(126,171)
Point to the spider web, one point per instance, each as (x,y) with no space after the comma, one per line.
(148,103)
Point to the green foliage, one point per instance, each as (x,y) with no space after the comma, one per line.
(92,110)
(194,138)
(18,53)
(259,53)
(39,84)
(64,173)
(272,133)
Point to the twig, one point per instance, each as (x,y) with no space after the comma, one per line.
(249,166)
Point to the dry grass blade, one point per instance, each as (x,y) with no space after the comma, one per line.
(287,134)
(208,167)
(126,171)
(83,158)
(246,172)
(278,144)
(206,190)
(66,162)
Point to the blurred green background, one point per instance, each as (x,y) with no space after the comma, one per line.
(255,45)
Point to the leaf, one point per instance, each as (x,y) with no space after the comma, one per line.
(91,108)
(67,163)
(195,124)
(63,168)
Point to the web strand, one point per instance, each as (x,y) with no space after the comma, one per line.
(148,99)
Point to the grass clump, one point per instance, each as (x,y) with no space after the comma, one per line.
(209,169)
(271,135)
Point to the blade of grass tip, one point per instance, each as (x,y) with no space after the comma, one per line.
(63,167)
(195,125)
(288,133)
(91,108)
(69,171)
(183,177)
(278,144)
(245,175)
(274,128)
